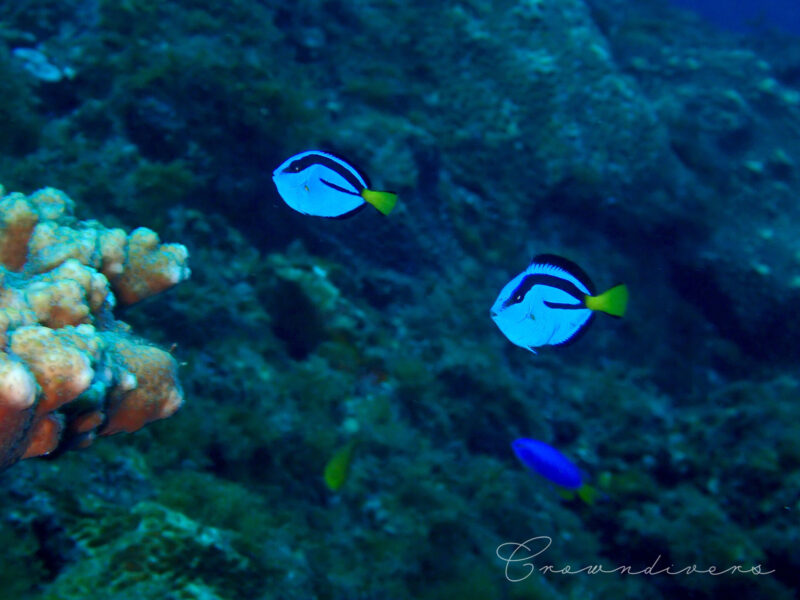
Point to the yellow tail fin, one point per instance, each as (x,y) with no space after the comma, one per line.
(383,201)
(613,301)
(586,493)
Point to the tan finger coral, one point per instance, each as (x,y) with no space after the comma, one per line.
(68,370)
(17,220)
(149,267)
(62,370)
(157,393)
(17,398)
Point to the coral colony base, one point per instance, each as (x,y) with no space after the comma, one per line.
(69,371)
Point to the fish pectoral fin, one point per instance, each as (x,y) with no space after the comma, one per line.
(613,302)
(383,201)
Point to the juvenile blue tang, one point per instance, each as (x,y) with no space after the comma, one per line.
(552,302)
(548,462)
(321,184)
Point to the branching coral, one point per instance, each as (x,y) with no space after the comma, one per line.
(68,370)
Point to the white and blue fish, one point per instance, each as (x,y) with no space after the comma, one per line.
(321,184)
(552,302)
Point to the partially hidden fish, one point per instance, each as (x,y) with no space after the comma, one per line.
(552,302)
(323,185)
(338,467)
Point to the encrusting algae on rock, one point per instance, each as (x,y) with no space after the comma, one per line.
(68,370)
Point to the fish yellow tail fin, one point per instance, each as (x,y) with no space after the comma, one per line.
(613,301)
(586,493)
(383,201)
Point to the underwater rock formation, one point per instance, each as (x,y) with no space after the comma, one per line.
(68,370)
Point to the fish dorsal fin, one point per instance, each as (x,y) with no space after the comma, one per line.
(566,265)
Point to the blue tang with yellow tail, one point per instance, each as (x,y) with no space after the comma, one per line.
(551,464)
(321,184)
(552,302)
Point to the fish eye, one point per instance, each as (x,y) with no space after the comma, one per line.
(294,167)
(512,300)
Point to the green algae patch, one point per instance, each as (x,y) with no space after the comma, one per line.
(152,551)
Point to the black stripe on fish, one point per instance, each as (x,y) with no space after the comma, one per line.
(549,280)
(562,305)
(566,265)
(301,164)
(339,188)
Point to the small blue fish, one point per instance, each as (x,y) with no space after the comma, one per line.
(551,302)
(320,184)
(548,462)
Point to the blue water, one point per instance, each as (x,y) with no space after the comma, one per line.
(748,15)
